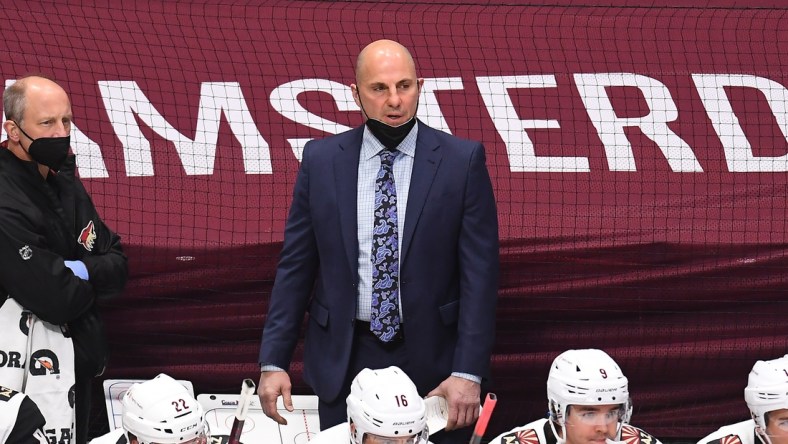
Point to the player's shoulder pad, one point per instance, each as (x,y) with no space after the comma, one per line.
(6,393)
(727,439)
(520,436)
(633,435)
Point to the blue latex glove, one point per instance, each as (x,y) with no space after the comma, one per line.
(79,269)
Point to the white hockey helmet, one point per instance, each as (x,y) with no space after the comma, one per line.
(586,377)
(766,391)
(161,410)
(385,403)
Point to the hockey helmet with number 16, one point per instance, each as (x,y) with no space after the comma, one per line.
(385,403)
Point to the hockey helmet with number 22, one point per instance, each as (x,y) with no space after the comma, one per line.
(161,410)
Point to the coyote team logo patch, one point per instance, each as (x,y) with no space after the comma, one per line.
(88,236)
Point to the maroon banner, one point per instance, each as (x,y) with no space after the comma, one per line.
(638,153)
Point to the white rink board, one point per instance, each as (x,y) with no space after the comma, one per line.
(302,424)
(113,394)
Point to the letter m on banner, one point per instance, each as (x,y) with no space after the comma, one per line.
(124,100)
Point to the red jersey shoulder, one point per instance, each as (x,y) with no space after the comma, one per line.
(527,436)
(729,439)
(633,435)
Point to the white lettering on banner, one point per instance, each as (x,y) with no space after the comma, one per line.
(522,156)
(738,151)
(284,99)
(654,125)
(89,158)
(429,109)
(124,99)
(125,102)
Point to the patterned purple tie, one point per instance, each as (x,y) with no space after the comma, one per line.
(385,320)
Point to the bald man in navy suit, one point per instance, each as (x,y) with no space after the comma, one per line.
(411,283)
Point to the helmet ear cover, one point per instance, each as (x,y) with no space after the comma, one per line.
(386,403)
(161,410)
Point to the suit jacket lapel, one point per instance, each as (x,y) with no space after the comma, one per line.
(346,177)
(425,165)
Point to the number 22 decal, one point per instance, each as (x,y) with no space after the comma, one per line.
(180,405)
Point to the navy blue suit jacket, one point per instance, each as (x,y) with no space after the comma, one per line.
(448,263)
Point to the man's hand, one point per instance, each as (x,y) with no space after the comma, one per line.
(272,385)
(463,397)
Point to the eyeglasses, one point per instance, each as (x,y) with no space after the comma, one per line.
(592,417)
(782,424)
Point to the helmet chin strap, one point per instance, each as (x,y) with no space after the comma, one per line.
(129,437)
(761,434)
(618,435)
(558,438)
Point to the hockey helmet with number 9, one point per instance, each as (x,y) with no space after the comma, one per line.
(385,403)
(766,391)
(586,377)
(161,410)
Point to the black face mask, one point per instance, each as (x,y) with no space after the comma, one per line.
(390,136)
(48,151)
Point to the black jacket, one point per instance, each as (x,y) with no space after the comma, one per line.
(43,223)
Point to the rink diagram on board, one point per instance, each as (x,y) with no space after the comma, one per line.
(302,424)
